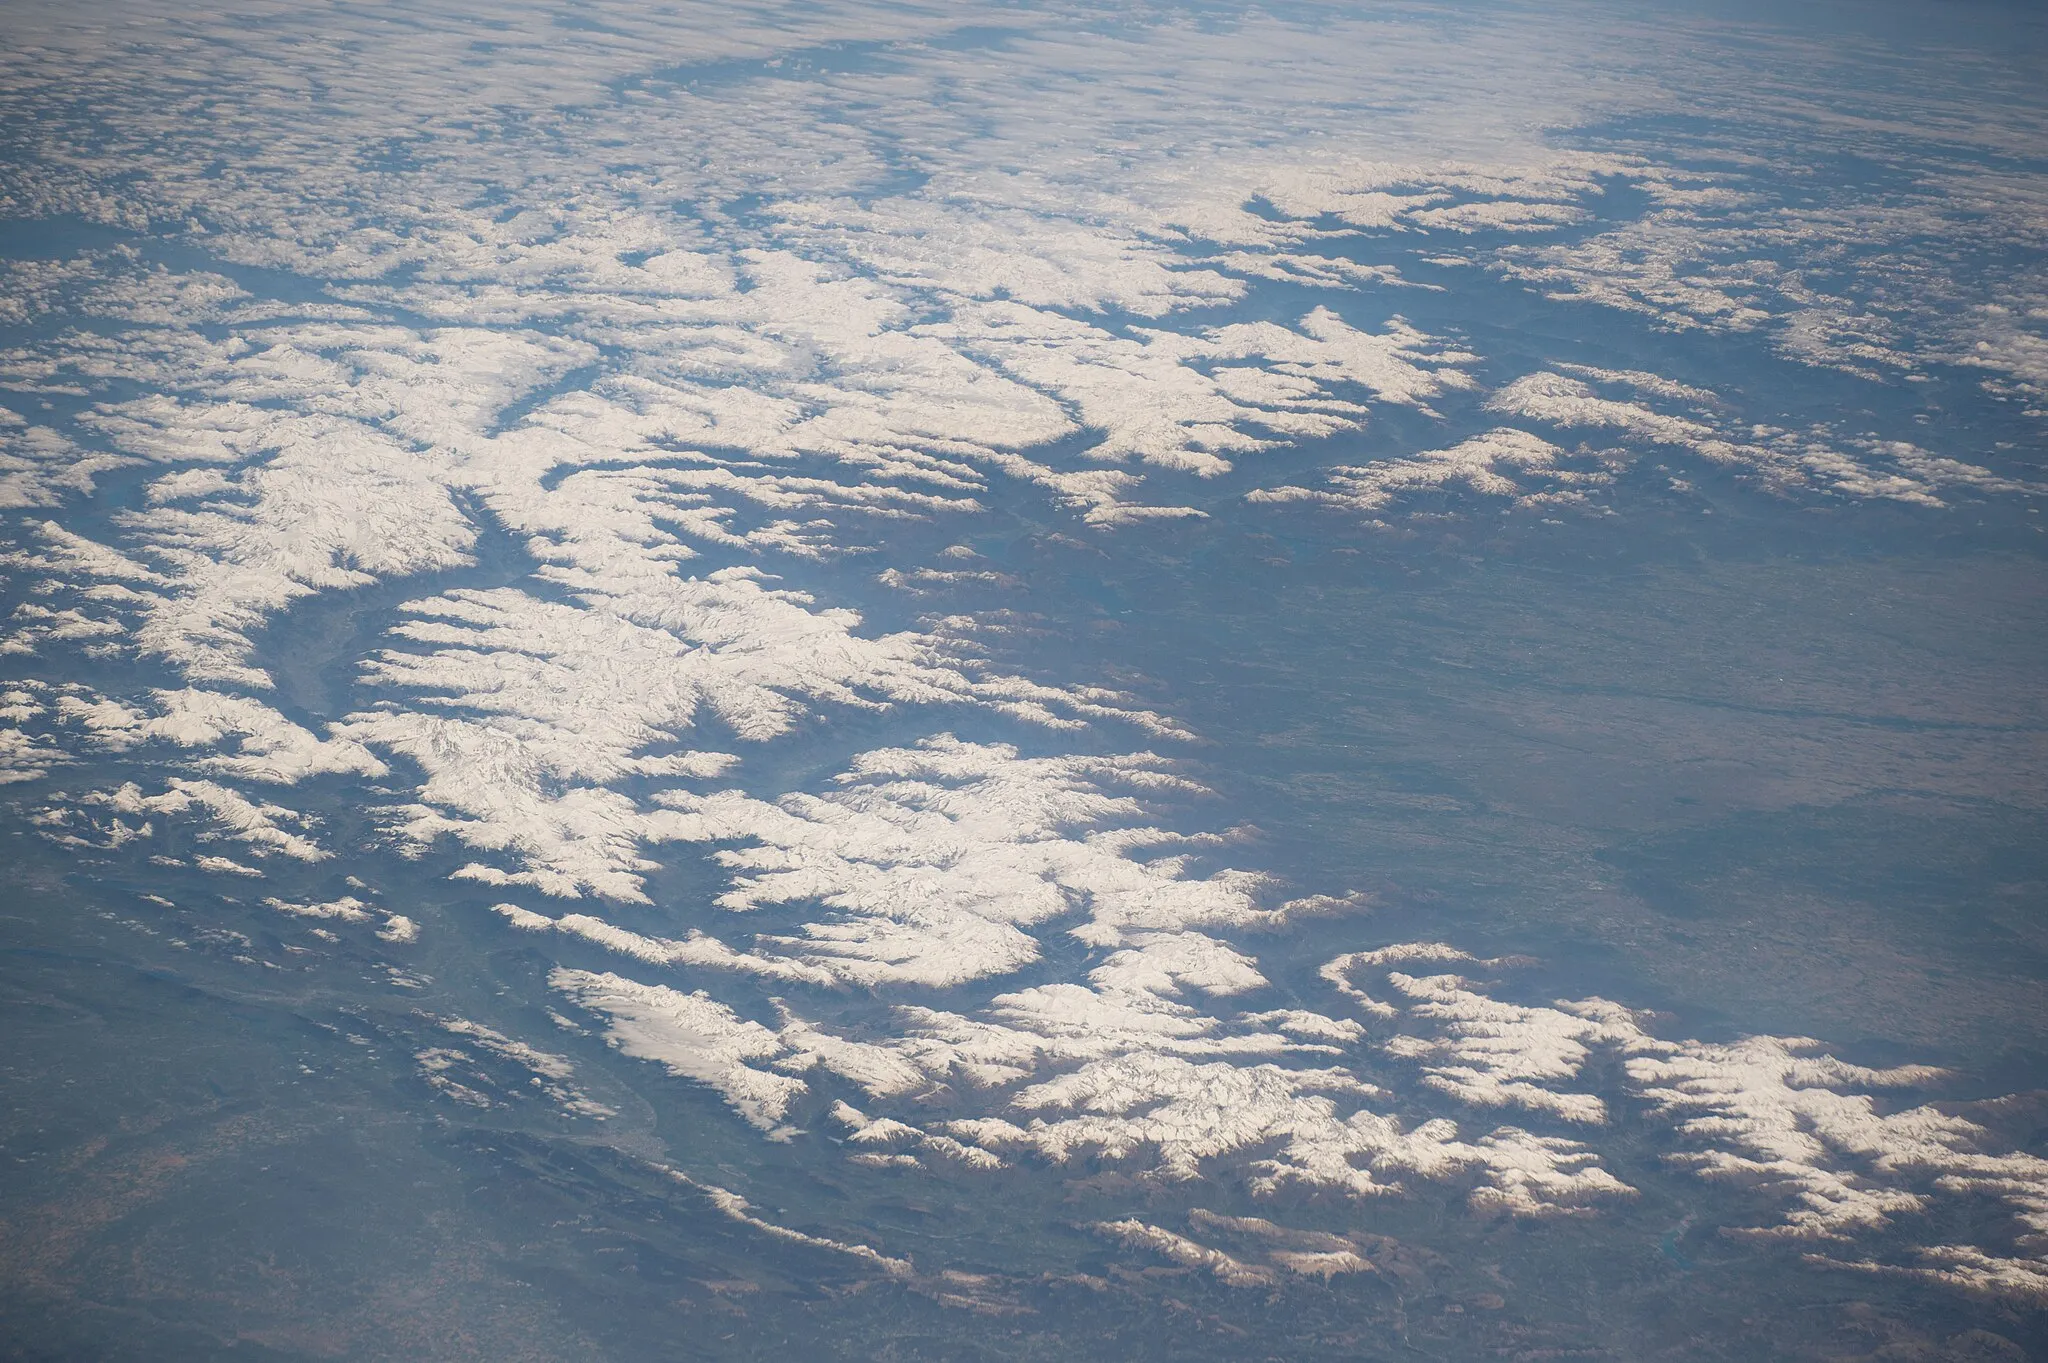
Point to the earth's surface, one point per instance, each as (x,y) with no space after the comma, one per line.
(1014,681)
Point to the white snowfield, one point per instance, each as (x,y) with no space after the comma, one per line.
(690,362)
